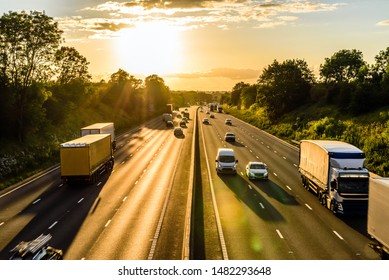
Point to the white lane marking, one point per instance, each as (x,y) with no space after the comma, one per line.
(250,187)
(263,207)
(289,188)
(136,182)
(295,165)
(99,183)
(309,207)
(284,157)
(60,185)
(338,235)
(275,174)
(2,223)
(53,224)
(241,173)
(279,234)
(124,199)
(80,200)
(109,221)
(36,201)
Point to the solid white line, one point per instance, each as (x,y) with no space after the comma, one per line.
(36,201)
(279,234)
(109,221)
(338,235)
(309,207)
(53,224)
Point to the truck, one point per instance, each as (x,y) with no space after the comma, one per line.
(169,108)
(167,117)
(378,215)
(85,158)
(219,108)
(100,128)
(335,172)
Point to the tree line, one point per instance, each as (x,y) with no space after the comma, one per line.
(46,93)
(345,80)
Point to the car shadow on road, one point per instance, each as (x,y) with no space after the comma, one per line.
(258,203)
(274,191)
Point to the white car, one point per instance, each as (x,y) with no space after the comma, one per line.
(256,170)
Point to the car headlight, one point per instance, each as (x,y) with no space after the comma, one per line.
(265,174)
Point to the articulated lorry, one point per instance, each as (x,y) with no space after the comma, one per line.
(84,158)
(100,128)
(335,172)
(378,215)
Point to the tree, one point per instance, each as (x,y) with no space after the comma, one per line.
(71,66)
(249,96)
(236,92)
(157,94)
(343,66)
(283,87)
(27,46)
(119,77)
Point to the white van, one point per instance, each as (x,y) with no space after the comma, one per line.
(226,161)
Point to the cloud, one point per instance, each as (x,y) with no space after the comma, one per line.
(229,73)
(383,23)
(112,16)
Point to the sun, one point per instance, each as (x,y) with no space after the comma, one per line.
(149,48)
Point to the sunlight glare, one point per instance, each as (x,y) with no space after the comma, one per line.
(149,48)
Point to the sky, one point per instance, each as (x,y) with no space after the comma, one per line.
(211,45)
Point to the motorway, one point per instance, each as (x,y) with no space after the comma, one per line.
(140,211)
(276,219)
(119,217)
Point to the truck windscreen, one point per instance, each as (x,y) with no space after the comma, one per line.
(353,185)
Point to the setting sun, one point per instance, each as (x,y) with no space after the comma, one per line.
(149,48)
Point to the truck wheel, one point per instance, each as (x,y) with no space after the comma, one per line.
(332,207)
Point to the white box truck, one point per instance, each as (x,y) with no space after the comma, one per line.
(335,172)
(378,215)
(100,128)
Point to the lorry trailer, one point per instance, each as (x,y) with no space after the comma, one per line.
(84,158)
(100,128)
(378,215)
(335,172)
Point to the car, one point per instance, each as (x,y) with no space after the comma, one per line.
(229,137)
(208,112)
(212,116)
(226,161)
(178,132)
(185,119)
(228,122)
(183,123)
(169,124)
(178,116)
(205,121)
(257,170)
(37,249)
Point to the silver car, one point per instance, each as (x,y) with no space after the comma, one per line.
(256,170)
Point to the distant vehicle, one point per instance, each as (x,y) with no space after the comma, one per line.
(186,114)
(37,249)
(256,170)
(84,158)
(167,117)
(201,110)
(205,121)
(169,124)
(185,119)
(208,112)
(220,108)
(183,123)
(378,215)
(228,122)
(212,116)
(100,128)
(169,108)
(229,137)
(179,116)
(178,132)
(335,172)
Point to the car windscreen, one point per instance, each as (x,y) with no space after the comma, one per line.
(227,159)
(257,166)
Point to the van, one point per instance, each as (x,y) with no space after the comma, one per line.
(226,161)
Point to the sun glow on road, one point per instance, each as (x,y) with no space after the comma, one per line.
(149,48)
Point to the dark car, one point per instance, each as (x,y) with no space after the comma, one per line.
(212,116)
(229,137)
(183,123)
(205,121)
(37,249)
(169,124)
(178,132)
(228,122)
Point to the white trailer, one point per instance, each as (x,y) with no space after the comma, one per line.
(100,128)
(378,215)
(335,172)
